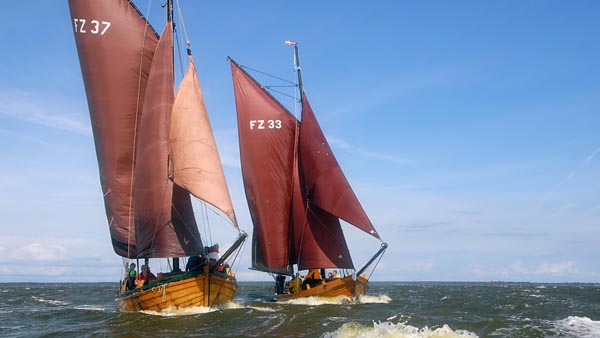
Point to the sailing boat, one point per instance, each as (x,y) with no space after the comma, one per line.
(297,194)
(154,149)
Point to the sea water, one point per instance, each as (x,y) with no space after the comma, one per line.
(390,309)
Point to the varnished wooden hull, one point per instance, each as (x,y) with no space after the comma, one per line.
(337,287)
(182,291)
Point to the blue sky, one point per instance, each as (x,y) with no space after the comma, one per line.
(469,130)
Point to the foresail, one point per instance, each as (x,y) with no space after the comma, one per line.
(327,186)
(320,242)
(267,140)
(164,220)
(196,163)
(115,46)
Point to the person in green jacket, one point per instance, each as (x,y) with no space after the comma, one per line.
(131,276)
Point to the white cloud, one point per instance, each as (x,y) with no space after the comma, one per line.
(417,266)
(571,174)
(559,268)
(339,143)
(43,252)
(36,109)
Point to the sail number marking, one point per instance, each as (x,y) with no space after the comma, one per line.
(265,124)
(93,26)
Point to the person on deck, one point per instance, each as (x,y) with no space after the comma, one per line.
(336,274)
(131,276)
(312,278)
(195,263)
(213,255)
(279,284)
(144,277)
(295,284)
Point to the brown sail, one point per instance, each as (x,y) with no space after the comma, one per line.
(318,240)
(267,136)
(196,162)
(115,46)
(297,194)
(159,229)
(145,141)
(326,184)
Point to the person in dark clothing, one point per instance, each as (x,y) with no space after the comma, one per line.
(279,284)
(312,278)
(195,262)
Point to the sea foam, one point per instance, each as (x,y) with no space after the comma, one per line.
(49,301)
(315,301)
(578,326)
(387,329)
(173,312)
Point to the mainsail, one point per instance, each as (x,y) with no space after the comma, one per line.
(154,147)
(116,47)
(267,132)
(295,188)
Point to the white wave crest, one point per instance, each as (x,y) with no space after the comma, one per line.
(315,301)
(194,310)
(90,308)
(387,329)
(50,301)
(578,326)
(173,311)
(366,299)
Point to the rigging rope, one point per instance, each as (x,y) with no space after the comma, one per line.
(269,75)
(187,39)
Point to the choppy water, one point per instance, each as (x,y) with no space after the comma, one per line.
(389,310)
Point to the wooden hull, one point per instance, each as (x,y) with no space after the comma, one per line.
(186,290)
(337,287)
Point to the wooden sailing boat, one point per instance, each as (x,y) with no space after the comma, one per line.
(154,148)
(297,194)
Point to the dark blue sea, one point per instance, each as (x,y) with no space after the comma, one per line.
(390,309)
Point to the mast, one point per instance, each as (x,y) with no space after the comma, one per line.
(169,12)
(298,71)
(297,66)
(169,18)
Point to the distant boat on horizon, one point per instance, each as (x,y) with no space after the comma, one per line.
(154,147)
(297,194)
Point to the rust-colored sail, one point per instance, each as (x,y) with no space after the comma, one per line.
(327,187)
(196,162)
(317,235)
(321,242)
(115,46)
(164,220)
(267,136)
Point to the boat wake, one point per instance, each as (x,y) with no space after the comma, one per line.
(387,329)
(578,327)
(174,312)
(194,310)
(366,299)
(315,301)
(234,305)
